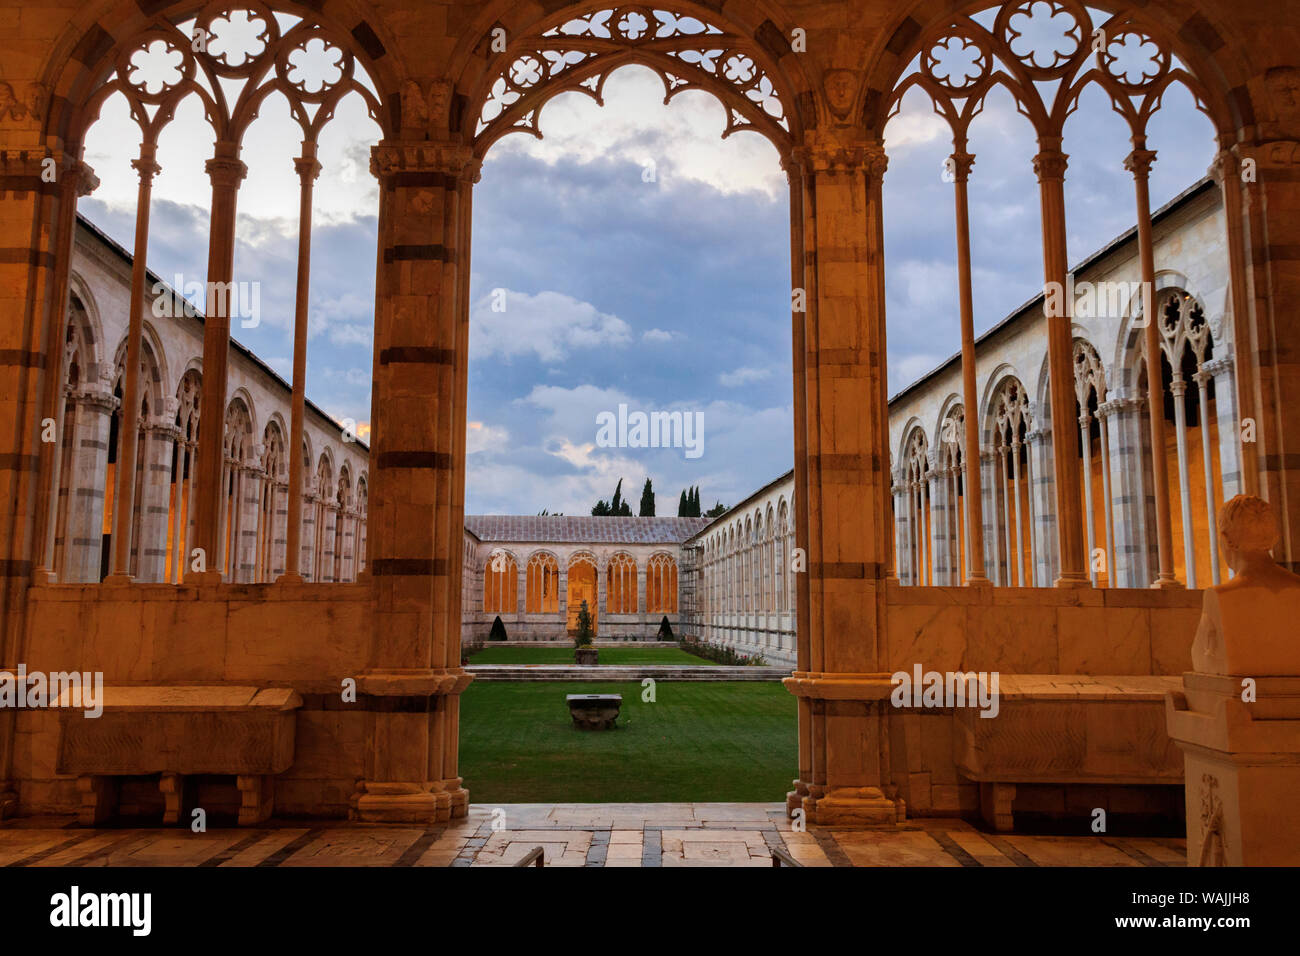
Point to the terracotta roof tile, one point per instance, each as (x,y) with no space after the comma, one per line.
(582,529)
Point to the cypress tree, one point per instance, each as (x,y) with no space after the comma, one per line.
(647,500)
(683,510)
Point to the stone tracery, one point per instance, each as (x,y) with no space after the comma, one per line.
(579,54)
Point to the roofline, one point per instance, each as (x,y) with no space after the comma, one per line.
(1178,202)
(242,349)
(744,502)
(584,542)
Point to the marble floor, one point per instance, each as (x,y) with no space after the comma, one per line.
(647,834)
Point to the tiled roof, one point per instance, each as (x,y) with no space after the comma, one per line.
(582,529)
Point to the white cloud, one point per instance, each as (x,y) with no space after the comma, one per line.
(683,138)
(658,335)
(743,376)
(548,325)
(485,438)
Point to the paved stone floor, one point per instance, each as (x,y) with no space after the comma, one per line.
(646,834)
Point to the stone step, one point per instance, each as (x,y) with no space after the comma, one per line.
(612,673)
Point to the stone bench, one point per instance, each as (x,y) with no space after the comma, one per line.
(594,711)
(1066,729)
(176,731)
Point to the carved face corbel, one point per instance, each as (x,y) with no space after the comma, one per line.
(1283,84)
(839,87)
(10,107)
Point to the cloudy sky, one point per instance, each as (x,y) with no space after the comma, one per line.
(640,260)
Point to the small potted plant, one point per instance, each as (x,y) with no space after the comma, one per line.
(584,652)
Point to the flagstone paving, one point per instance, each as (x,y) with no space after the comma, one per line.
(615,835)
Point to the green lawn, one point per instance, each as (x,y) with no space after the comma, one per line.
(563,654)
(700,741)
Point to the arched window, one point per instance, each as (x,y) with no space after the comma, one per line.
(271,524)
(542,587)
(620,585)
(1189,373)
(1094,453)
(782,558)
(581,589)
(1012,499)
(952,530)
(322,563)
(500,583)
(916,469)
(661,584)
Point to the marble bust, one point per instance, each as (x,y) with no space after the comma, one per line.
(1249,624)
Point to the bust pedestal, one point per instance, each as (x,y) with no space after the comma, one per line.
(1242,769)
(1237,718)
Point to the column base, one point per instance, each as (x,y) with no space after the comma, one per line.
(44,576)
(1168,584)
(118,579)
(8,802)
(406,803)
(288,578)
(847,807)
(995,805)
(1073,581)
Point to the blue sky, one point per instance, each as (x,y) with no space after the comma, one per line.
(665,292)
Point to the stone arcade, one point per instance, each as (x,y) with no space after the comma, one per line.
(874,505)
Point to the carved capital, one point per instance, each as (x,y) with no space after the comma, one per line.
(225,171)
(308,168)
(96,397)
(839,150)
(390,160)
(1050,164)
(146,168)
(1139,162)
(961,163)
(1217,366)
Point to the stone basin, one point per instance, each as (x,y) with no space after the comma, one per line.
(594,711)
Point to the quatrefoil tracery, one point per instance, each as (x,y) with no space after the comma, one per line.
(1045,53)
(232,57)
(580,54)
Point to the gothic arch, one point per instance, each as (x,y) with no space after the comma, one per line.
(987,399)
(1216,72)
(154,361)
(100,32)
(242,394)
(688,45)
(913,424)
(92,324)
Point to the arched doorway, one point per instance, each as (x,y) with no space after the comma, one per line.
(582,587)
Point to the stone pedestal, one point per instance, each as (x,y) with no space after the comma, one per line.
(1237,718)
(594,711)
(1242,775)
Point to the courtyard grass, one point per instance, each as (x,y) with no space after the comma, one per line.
(563,654)
(728,741)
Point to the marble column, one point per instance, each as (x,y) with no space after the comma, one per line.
(841,481)
(161,436)
(1178,387)
(1049,165)
(417,467)
(226,171)
(83,530)
(1134,548)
